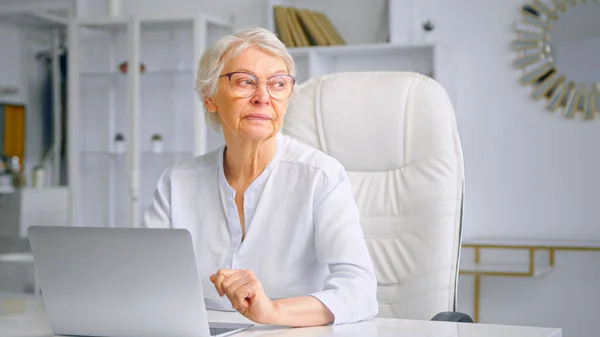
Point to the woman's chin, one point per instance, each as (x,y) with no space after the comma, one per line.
(257,131)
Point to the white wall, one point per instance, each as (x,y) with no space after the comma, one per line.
(530,173)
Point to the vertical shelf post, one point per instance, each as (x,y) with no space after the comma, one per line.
(200,127)
(57,107)
(112,122)
(133,73)
(74,176)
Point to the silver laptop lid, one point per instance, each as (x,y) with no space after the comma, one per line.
(119,281)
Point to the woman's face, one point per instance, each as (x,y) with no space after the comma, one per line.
(259,116)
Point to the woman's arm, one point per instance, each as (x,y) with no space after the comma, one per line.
(246,295)
(301,311)
(350,290)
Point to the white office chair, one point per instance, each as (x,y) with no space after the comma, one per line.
(396,135)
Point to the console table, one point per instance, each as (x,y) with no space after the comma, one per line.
(533,266)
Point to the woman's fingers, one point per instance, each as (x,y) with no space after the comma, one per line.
(238,278)
(220,276)
(240,291)
(239,286)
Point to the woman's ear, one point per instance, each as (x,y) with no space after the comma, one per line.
(210,105)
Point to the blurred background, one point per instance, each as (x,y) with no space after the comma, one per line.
(83,139)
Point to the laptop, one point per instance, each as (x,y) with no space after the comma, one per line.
(121,282)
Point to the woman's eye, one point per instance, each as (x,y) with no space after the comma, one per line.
(277,84)
(245,81)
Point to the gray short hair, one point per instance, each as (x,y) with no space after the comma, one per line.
(213,61)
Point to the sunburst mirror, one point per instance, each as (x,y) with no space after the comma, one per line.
(558,45)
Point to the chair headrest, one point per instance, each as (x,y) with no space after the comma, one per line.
(373,121)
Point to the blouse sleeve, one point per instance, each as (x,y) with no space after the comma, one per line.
(350,290)
(158,215)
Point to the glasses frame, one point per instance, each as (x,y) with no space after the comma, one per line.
(228,75)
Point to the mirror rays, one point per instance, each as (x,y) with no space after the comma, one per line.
(539,69)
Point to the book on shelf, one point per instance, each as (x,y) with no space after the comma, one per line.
(303,27)
(300,39)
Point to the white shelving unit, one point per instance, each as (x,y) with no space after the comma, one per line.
(381,35)
(360,22)
(111,188)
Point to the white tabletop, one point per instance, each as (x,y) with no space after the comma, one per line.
(26,318)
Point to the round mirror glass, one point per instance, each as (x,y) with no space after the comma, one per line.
(575,42)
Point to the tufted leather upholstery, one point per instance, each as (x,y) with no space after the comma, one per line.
(396,135)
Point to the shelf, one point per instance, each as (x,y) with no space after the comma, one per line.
(144,153)
(142,75)
(106,24)
(167,23)
(548,243)
(180,21)
(378,49)
(16,258)
(41,20)
(505,269)
(173,22)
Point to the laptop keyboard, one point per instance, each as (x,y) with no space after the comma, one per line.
(218,331)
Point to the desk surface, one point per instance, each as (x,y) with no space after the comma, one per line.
(26,318)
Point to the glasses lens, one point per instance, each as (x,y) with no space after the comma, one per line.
(280,86)
(243,85)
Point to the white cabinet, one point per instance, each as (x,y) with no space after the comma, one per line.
(32,207)
(133,77)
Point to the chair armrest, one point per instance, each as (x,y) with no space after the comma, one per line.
(452,316)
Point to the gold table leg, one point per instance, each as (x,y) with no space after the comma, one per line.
(476,278)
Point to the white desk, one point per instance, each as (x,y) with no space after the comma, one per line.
(26,318)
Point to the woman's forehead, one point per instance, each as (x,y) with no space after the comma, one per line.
(255,60)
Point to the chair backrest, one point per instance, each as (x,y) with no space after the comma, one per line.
(396,135)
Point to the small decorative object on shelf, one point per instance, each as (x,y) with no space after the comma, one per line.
(157,143)
(8,90)
(123,67)
(6,177)
(17,172)
(428,27)
(39,176)
(119,143)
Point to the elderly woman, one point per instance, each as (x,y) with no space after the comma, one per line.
(274,222)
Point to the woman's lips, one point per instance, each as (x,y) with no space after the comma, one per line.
(259,117)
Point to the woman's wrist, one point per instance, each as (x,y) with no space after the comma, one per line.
(299,312)
(276,316)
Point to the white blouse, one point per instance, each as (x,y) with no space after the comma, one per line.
(303,233)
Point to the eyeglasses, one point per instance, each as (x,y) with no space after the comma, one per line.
(244,85)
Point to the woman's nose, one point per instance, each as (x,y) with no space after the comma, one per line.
(262,95)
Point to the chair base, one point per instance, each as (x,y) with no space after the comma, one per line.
(452,316)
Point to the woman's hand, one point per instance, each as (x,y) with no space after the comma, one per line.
(246,294)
